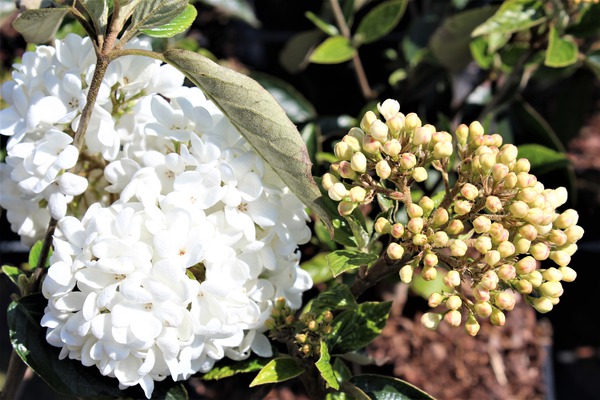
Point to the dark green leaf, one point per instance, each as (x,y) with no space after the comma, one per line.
(227,368)
(533,126)
(39,25)
(278,370)
(336,297)
(260,119)
(562,51)
(318,268)
(324,26)
(310,135)
(380,21)
(342,231)
(240,9)
(177,392)
(542,158)
(592,61)
(98,12)
(14,272)
(379,387)
(333,50)
(341,370)
(177,25)
(450,42)
(513,16)
(296,106)
(355,328)
(341,261)
(325,368)
(294,57)
(150,14)
(356,222)
(586,25)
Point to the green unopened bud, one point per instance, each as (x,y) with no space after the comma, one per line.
(551,289)
(552,274)
(442,150)
(522,245)
(493,204)
(462,134)
(383,170)
(367,120)
(535,277)
(455,227)
(472,326)
(346,207)
(458,248)
(483,244)
(508,154)
(406,273)
(521,166)
(568,248)
(429,273)
(327,316)
(452,278)
(475,130)
(395,251)
(542,304)
(270,324)
(454,302)
(539,251)
(518,209)
(379,130)
(419,174)
(483,309)
(504,301)
(523,286)
(568,274)
(407,161)
(383,226)
(510,180)
(419,239)
(431,320)
(487,161)
(497,317)
(397,230)
(453,318)
(392,147)
(427,204)
(507,272)
(412,122)
(301,337)
(357,133)
(415,225)
(414,211)
(440,217)
(435,299)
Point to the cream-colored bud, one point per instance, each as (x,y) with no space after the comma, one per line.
(342,151)
(455,227)
(527,195)
(397,230)
(552,274)
(383,226)
(452,278)
(414,211)
(453,318)
(442,150)
(475,130)
(557,237)
(395,251)
(535,277)
(498,233)
(462,207)
(496,140)
(534,216)
(499,172)
(492,257)
(407,161)
(508,154)
(427,204)
(395,124)
(525,180)
(419,174)
(430,260)
(522,165)
(493,204)
(440,239)
(489,280)
(388,108)
(522,245)
(497,318)
(406,273)
(487,161)
(357,133)
(458,248)
(454,302)
(506,249)
(435,299)
(523,286)
(415,225)
(574,233)
(419,239)
(422,136)
(518,209)
(353,142)
(504,301)
(371,145)
(462,134)
(338,191)
(469,191)
(412,121)
(507,272)
(392,147)
(543,229)
(379,130)
(431,320)
(483,309)
(561,258)
(357,194)
(526,265)
(569,248)
(359,162)
(440,217)
(345,170)
(529,232)
(483,244)
(429,273)
(367,120)
(510,180)
(383,170)
(561,196)
(539,251)
(472,326)
(346,207)
(568,274)
(328,181)
(482,224)
(542,304)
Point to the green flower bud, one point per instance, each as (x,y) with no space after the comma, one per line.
(406,273)
(524,286)
(483,244)
(359,162)
(504,301)
(521,244)
(414,211)
(458,248)
(557,237)
(346,207)
(426,203)
(342,151)
(429,273)
(301,337)
(454,302)
(472,326)
(397,230)
(521,166)
(455,227)
(407,161)
(483,309)
(379,131)
(435,299)
(539,251)
(475,130)
(367,120)
(507,272)
(419,174)
(383,226)
(552,274)
(453,318)
(487,161)
(395,251)
(526,265)
(431,320)
(510,180)
(338,191)
(535,277)
(462,134)
(419,239)
(568,274)
(493,204)
(327,316)
(542,304)
(412,122)
(497,318)
(357,194)
(518,209)
(440,217)
(392,147)
(452,278)
(568,248)
(551,289)
(442,150)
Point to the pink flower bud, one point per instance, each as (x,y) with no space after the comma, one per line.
(345,170)
(415,225)
(435,299)
(499,172)
(407,161)
(392,147)
(526,265)
(539,251)
(493,204)
(371,145)
(397,230)
(489,280)
(454,302)
(482,224)
(492,257)
(504,301)
(507,272)
(483,309)
(506,249)
(462,207)
(469,191)
(453,318)
(455,227)
(440,217)
(395,251)
(528,232)
(422,136)
(430,260)
(429,274)
(452,278)
(525,180)
(383,226)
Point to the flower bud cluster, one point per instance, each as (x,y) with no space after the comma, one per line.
(487,234)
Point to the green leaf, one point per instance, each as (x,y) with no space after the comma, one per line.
(39,25)
(354,329)
(260,119)
(586,24)
(325,368)
(294,57)
(513,16)
(334,50)
(341,261)
(278,370)
(592,61)
(296,106)
(98,12)
(150,14)
(34,254)
(337,297)
(562,51)
(450,42)
(542,158)
(227,368)
(380,21)
(529,122)
(379,387)
(177,25)
(324,26)
(240,9)
(14,272)
(318,268)
(424,288)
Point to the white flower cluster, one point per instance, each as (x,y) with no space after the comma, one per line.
(187,237)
